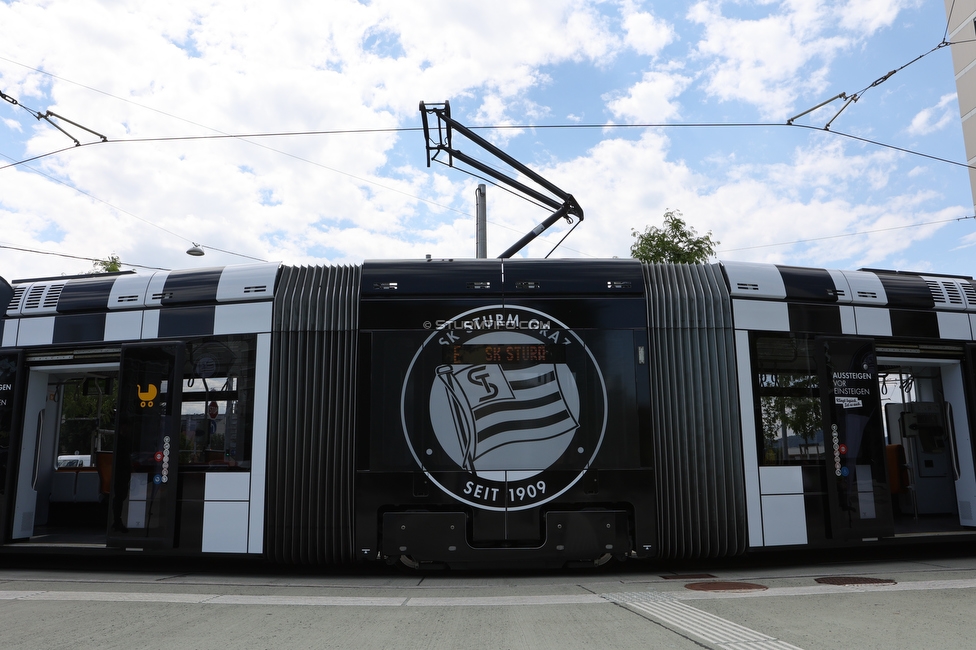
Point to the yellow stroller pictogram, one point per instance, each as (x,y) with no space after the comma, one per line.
(148,396)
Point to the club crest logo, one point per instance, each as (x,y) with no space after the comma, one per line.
(504,407)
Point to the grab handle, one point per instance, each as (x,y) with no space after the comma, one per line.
(37,450)
(952,441)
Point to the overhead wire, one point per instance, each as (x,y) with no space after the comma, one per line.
(849,234)
(95,198)
(952,6)
(635,125)
(490,127)
(246,137)
(79,257)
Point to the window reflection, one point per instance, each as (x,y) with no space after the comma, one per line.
(791,431)
(217,409)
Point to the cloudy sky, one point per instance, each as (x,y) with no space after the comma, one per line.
(716,81)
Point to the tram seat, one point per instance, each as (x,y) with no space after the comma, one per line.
(63,486)
(75,486)
(86,487)
(899,478)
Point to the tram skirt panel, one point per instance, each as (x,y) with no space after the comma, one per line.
(312,417)
(694,413)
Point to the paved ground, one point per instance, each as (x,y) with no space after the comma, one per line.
(919,600)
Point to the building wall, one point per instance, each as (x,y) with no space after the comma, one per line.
(962,30)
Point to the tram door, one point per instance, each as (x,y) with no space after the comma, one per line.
(11,386)
(147,443)
(36,457)
(40,496)
(858,496)
(927,423)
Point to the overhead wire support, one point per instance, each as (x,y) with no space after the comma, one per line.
(564,204)
(47,115)
(851,99)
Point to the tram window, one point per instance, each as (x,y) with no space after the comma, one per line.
(217,413)
(790,417)
(87,420)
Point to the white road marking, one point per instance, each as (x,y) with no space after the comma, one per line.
(710,628)
(313,601)
(494,601)
(468,601)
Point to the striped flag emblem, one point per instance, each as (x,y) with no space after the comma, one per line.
(494,406)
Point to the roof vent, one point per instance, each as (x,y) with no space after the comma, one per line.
(18,294)
(34,297)
(953,293)
(970,292)
(948,292)
(52,295)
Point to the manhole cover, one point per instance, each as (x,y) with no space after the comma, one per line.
(724,586)
(854,580)
(689,576)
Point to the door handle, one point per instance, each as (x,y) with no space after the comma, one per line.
(37,450)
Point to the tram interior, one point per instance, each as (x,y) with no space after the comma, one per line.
(64,482)
(74,460)
(921,460)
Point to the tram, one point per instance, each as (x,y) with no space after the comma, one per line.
(507,411)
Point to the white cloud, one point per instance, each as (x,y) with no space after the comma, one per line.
(934,118)
(784,54)
(868,16)
(652,99)
(644,32)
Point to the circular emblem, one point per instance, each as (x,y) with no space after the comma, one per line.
(504,407)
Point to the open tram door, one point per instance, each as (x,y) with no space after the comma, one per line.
(52,489)
(930,447)
(64,472)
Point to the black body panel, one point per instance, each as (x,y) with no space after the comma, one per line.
(528,435)
(85,295)
(808,284)
(906,291)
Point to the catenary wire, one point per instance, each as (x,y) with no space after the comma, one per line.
(79,257)
(849,234)
(245,137)
(945,34)
(542,126)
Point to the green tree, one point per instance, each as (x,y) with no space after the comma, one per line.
(111,264)
(676,242)
(87,412)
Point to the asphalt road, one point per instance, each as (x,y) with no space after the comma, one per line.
(922,599)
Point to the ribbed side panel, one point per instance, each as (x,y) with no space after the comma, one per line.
(695,414)
(313,415)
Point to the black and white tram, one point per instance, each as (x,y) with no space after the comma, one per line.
(486,411)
